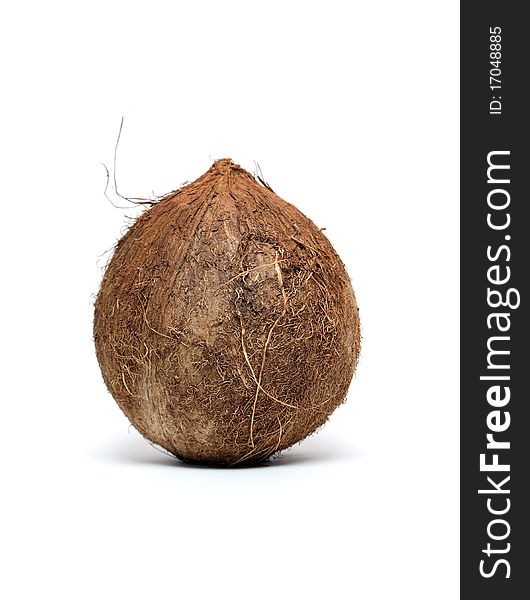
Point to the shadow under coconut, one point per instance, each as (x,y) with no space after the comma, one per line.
(135,450)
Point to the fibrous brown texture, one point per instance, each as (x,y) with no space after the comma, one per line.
(226,326)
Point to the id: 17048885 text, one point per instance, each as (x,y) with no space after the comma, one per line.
(495,70)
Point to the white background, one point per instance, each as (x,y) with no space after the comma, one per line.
(351,109)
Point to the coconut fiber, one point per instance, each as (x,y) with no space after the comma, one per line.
(226,326)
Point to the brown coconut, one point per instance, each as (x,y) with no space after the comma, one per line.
(226,326)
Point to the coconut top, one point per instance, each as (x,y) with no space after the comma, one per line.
(220,171)
(224,164)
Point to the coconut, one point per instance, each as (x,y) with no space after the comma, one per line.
(226,327)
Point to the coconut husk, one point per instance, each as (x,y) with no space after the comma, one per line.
(226,326)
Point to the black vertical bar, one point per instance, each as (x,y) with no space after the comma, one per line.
(495,124)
